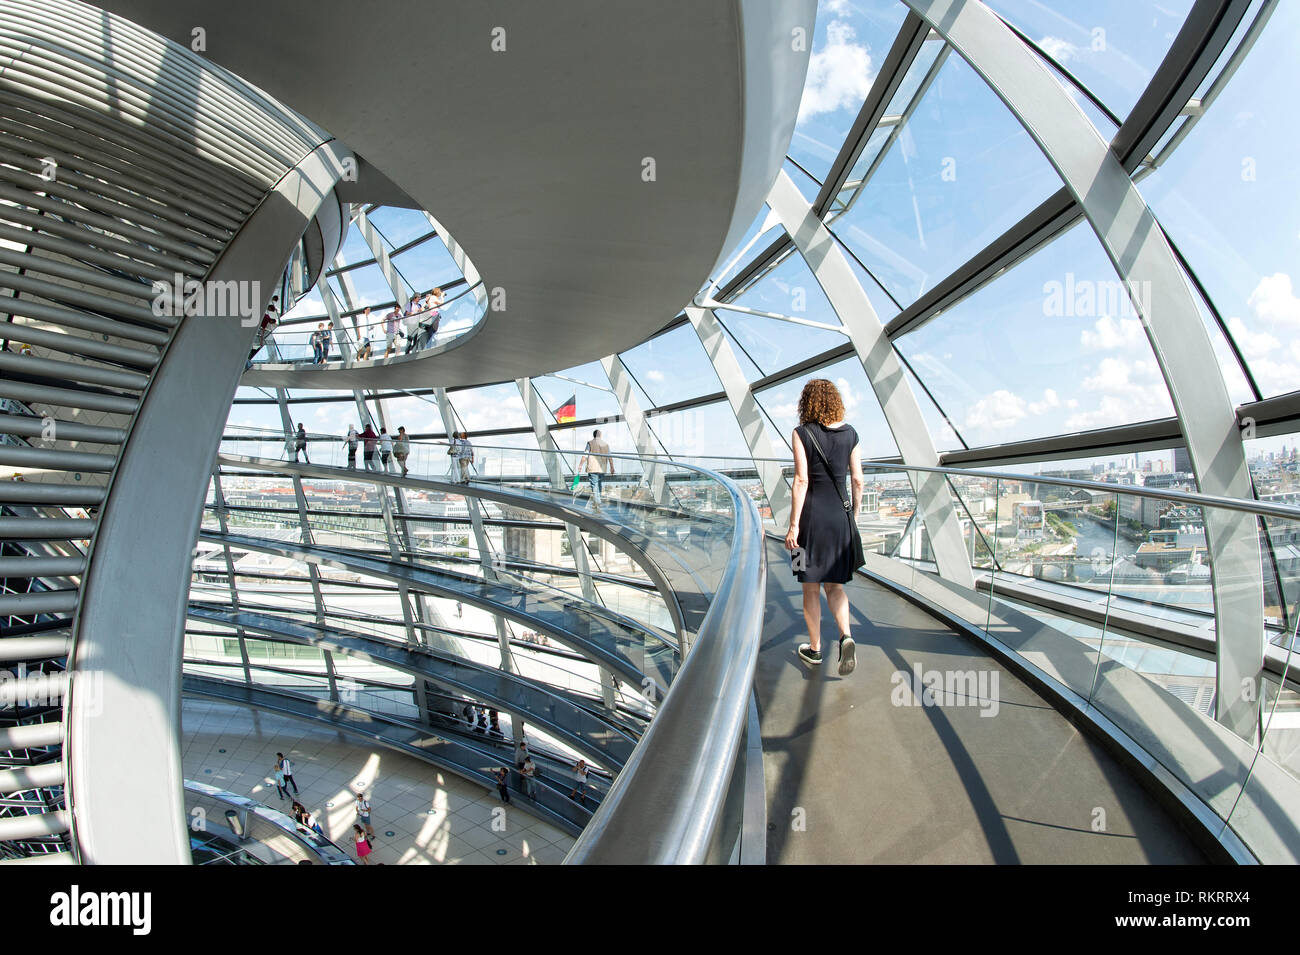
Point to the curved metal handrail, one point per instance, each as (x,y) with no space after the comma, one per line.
(310,842)
(666,804)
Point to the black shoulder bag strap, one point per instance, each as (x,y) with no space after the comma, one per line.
(839,491)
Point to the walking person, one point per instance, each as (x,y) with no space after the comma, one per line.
(502,776)
(410,324)
(428,327)
(369,442)
(327,342)
(823,535)
(390,333)
(352,440)
(298,443)
(363,812)
(286,767)
(462,453)
(363,845)
(318,344)
(529,772)
(385,448)
(267,326)
(281,788)
(597,462)
(580,771)
(402,450)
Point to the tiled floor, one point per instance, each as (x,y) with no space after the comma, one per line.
(435,816)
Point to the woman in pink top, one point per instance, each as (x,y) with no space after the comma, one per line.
(363,844)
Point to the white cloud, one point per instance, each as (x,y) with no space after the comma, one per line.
(486,409)
(836,8)
(1252,344)
(839,74)
(1274,301)
(997,411)
(847,394)
(1050,401)
(1059,49)
(1130,391)
(654,374)
(1108,334)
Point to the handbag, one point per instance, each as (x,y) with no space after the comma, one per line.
(855,535)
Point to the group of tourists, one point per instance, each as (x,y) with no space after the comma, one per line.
(461,453)
(322,342)
(378,449)
(382,451)
(416,324)
(528,776)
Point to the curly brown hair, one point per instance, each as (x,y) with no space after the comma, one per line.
(820,402)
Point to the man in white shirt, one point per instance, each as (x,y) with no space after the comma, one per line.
(286,767)
(363,814)
(598,463)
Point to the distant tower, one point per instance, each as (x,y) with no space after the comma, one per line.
(1182,461)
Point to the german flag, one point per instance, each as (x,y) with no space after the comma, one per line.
(568,411)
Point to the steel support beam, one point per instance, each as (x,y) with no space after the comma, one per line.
(620,382)
(1142,256)
(885,373)
(749,416)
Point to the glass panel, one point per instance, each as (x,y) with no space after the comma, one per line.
(707,430)
(941,430)
(962,171)
(790,289)
(861,408)
(1243,245)
(885,133)
(774,344)
(354,249)
(850,43)
(1112,46)
(673,367)
(369,287)
(490,407)
(399,226)
(427,265)
(1051,346)
(750,370)
(591,400)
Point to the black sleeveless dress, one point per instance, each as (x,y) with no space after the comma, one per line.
(824,534)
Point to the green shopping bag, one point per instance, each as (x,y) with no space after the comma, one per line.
(577,479)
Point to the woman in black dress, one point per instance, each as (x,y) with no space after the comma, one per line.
(820,537)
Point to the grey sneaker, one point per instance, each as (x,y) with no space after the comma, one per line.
(848,655)
(808,655)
